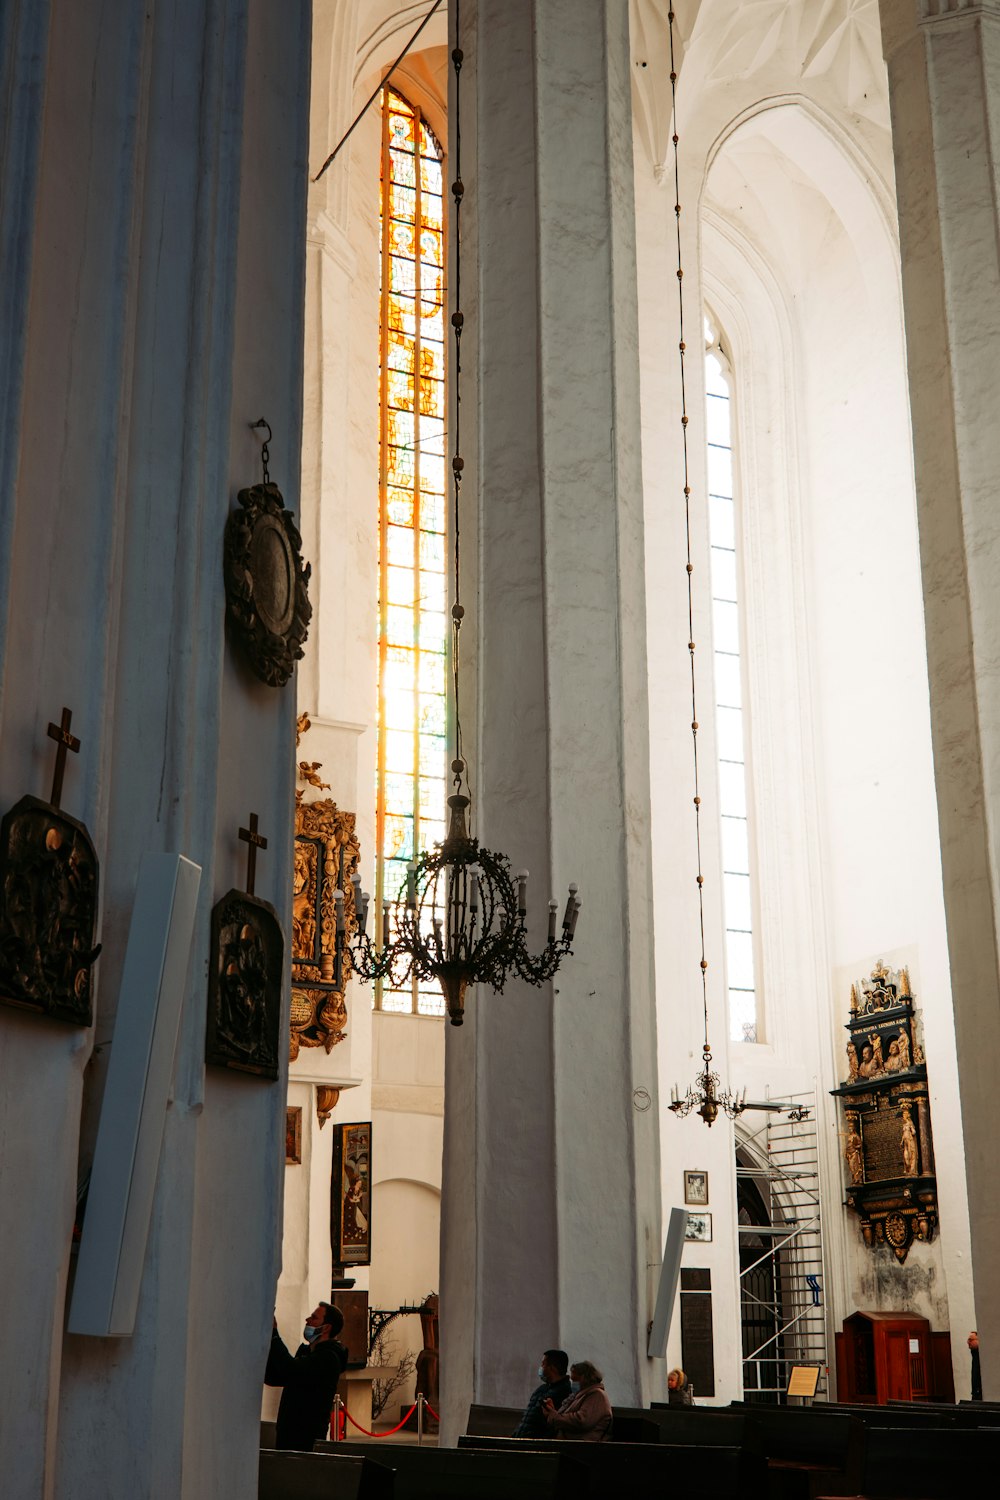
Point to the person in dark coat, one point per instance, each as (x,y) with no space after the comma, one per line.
(555,1387)
(977,1378)
(309,1378)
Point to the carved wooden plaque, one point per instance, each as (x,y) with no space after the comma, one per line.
(267,583)
(888,1147)
(247,968)
(48,900)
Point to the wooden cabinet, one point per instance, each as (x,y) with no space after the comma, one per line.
(885,1357)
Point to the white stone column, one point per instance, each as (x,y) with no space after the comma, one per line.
(944,80)
(152,249)
(551,1232)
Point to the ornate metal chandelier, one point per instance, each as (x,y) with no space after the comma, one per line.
(707,1095)
(458,918)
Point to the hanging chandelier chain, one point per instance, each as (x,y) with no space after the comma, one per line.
(457,323)
(707,1096)
(682,351)
(461,915)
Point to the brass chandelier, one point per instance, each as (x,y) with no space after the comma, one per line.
(458,918)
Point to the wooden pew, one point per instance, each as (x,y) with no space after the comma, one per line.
(630,1424)
(454,1474)
(285,1475)
(657,1469)
(268,1434)
(928,1464)
(702,1424)
(493,1421)
(808,1451)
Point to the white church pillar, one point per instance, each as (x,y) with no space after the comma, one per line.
(152,252)
(944,80)
(551,1232)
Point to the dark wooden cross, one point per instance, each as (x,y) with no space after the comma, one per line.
(66,741)
(256,841)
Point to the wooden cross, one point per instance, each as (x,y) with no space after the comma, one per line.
(66,741)
(256,841)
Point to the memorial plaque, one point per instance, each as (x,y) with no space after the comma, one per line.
(881,1136)
(887,1147)
(697,1338)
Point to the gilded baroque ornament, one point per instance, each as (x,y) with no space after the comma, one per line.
(267,593)
(326,853)
(888,1147)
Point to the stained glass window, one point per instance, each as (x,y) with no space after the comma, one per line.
(730,726)
(413,585)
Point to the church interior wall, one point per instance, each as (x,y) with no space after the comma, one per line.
(796,255)
(143,339)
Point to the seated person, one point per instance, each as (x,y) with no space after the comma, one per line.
(555,1387)
(587,1413)
(680,1391)
(309,1378)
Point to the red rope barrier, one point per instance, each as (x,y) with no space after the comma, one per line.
(431,1411)
(402,1424)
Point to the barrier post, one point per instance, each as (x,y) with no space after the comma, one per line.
(420,1419)
(338,1405)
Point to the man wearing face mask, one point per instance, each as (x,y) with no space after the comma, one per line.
(309,1377)
(555,1387)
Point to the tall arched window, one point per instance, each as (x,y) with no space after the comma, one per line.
(730,716)
(412,680)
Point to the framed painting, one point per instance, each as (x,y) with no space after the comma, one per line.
(699,1227)
(696,1188)
(293,1135)
(351,1195)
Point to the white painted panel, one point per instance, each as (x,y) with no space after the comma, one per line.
(666,1295)
(126,1159)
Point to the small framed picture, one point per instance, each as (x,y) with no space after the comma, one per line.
(293,1135)
(699,1227)
(696,1188)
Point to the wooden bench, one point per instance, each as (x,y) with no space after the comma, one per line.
(455,1474)
(286,1475)
(657,1469)
(702,1424)
(493,1421)
(913,1464)
(808,1451)
(630,1424)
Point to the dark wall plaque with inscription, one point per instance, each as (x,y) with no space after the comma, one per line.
(697,1341)
(882,1145)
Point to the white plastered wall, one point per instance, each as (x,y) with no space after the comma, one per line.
(795,255)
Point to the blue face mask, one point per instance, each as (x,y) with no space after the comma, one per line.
(574,1386)
(541,1375)
(309,1333)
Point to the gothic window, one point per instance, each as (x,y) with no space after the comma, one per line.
(412,680)
(730,708)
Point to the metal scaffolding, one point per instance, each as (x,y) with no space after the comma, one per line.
(781,1252)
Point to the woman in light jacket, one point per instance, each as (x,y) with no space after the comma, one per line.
(586,1414)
